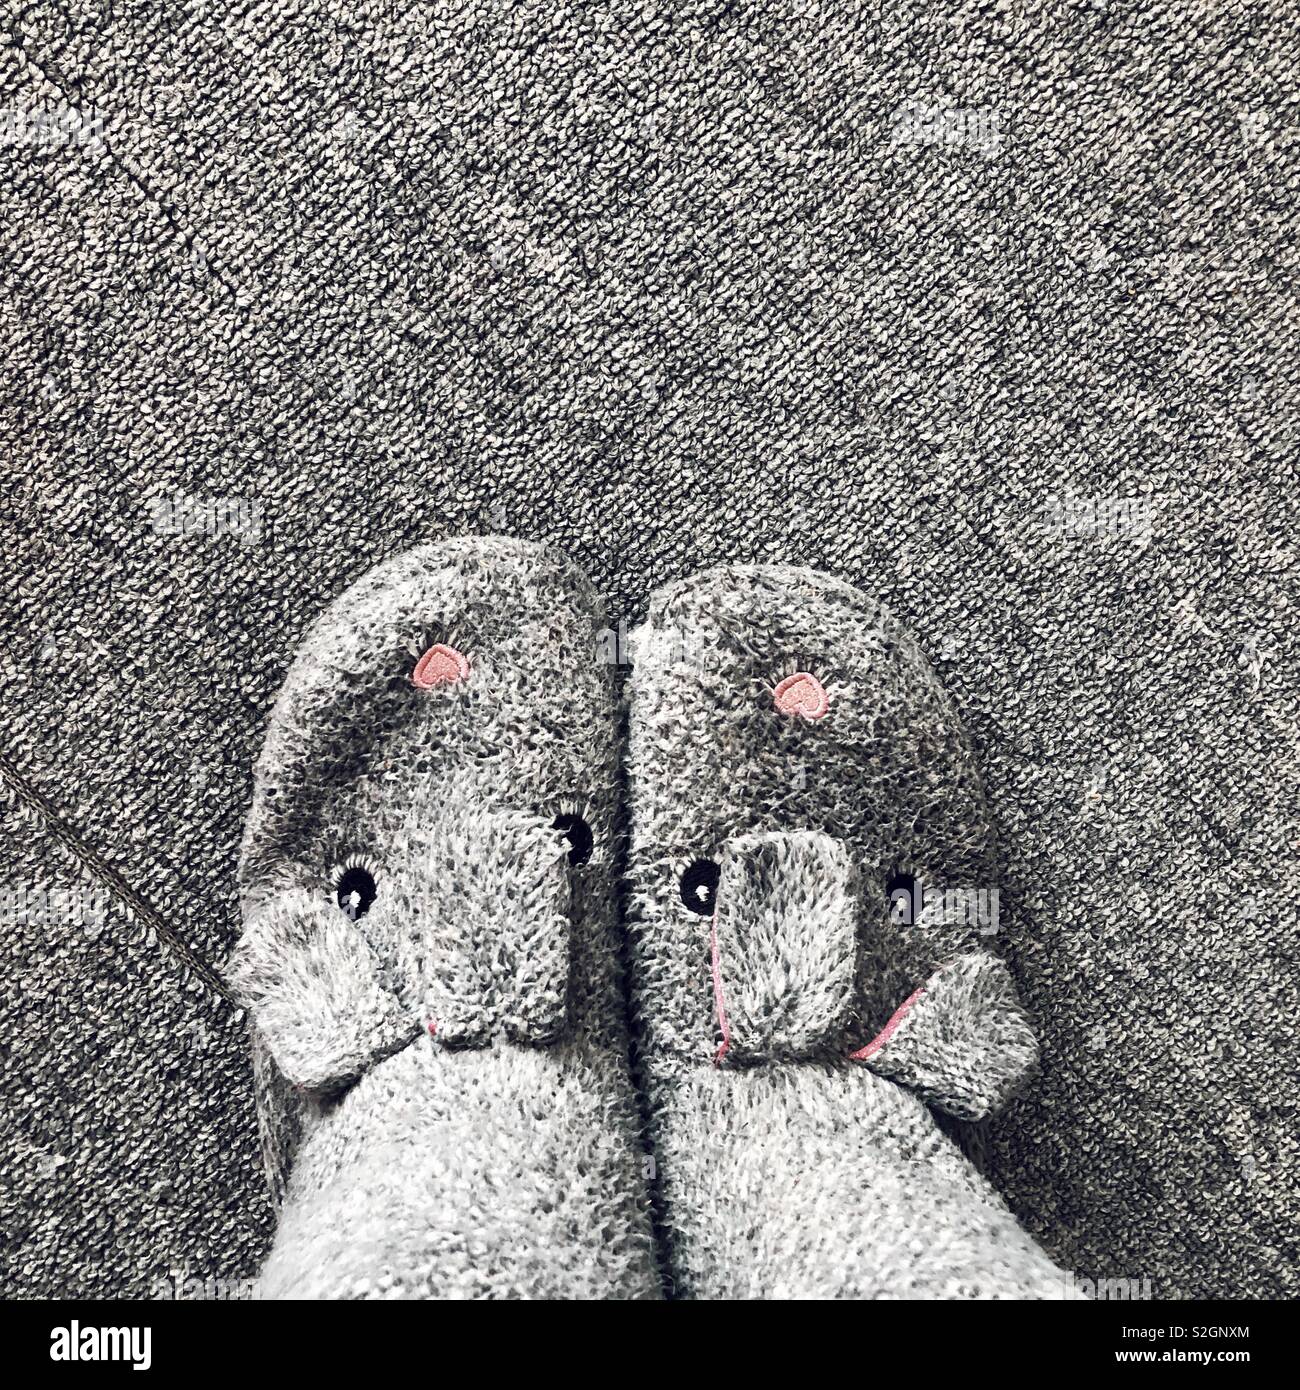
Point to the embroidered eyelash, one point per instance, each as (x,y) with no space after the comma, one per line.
(570,815)
(434,635)
(806,663)
(680,863)
(357,860)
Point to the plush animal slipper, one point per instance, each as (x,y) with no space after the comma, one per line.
(813,968)
(429,954)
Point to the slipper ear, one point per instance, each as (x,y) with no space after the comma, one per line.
(784,946)
(962,1041)
(313,988)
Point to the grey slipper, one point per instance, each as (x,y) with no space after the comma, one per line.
(428,954)
(814,914)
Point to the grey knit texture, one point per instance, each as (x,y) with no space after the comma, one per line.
(964,1045)
(790,1166)
(786,929)
(667,287)
(454,1047)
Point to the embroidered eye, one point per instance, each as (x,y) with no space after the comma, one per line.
(354,889)
(578,833)
(699,886)
(901,891)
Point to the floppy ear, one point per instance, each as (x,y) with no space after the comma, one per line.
(471,938)
(312,986)
(962,1041)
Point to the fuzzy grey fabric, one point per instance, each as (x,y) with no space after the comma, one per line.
(666,287)
(502,1172)
(469,1126)
(811,1181)
(965,1044)
(803,1175)
(889,774)
(786,935)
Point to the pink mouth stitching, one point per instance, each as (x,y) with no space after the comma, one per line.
(802,694)
(888,1030)
(718,1000)
(440,665)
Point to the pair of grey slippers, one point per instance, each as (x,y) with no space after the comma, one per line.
(441,973)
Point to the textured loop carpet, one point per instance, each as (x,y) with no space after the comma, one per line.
(981,308)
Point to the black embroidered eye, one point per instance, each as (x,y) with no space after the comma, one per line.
(355,890)
(578,833)
(901,892)
(700,886)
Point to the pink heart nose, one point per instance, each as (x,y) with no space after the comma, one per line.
(802,694)
(439,666)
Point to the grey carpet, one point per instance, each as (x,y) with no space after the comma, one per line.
(669,286)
